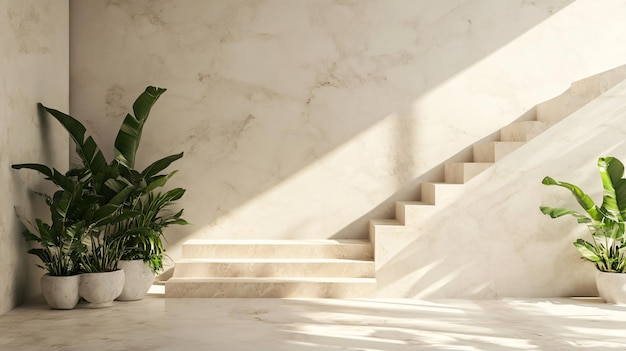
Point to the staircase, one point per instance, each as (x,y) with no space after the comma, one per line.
(274,268)
(346,269)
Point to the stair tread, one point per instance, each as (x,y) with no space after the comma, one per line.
(271,260)
(413,203)
(386,222)
(444,183)
(275,242)
(270,280)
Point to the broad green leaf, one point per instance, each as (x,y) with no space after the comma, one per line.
(129,135)
(122,195)
(104,213)
(117,185)
(51,174)
(158,181)
(555,212)
(29,236)
(87,149)
(45,170)
(583,199)
(611,170)
(160,165)
(587,250)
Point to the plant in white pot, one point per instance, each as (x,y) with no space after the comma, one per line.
(121,191)
(142,208)
(606,223)
(143,251)
(74,214)
(58,252)
(102,281)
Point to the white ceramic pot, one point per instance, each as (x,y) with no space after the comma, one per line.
(612,287)
(60,292)
(100,289)
(138,278)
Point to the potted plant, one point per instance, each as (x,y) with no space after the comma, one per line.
(144,252)
(606,223)
(142,211)
(102,281)
(59,249)
(74,214)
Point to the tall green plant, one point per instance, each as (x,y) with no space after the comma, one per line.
(119,183)
(607,248)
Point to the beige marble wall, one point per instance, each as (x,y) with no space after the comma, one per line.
(305,119)
(34,66)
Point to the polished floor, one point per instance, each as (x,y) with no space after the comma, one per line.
(158,323)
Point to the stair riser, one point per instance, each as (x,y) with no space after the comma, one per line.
(522,131)
(495,151)
(286,269)
(438,193)
(352,251)
(414,214)
(270,290)
(461,173)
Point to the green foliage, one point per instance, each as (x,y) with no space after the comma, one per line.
(59,252)
(112,210)
(103,254)
(144,230)
(607,248)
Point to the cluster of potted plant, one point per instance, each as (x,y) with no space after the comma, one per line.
(606,223)
(107,218)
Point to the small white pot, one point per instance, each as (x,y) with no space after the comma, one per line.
(612,287)
(137,281)
(60,292)
(100,289)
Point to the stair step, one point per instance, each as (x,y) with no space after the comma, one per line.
(413,212)
(556,109)
(344,249)
(462,172)
(274,268)
(522,131)
(389,226)
(271,287)
(440,193)
(495,151)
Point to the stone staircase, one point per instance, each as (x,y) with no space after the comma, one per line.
(274,268)
(346,269)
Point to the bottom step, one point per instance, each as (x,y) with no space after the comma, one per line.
(271,287)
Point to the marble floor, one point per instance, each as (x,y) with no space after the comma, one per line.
(158,323)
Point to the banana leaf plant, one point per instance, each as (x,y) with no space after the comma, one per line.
(75,216)
(607,248)
(117,181)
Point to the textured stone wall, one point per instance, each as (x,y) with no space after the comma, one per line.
(34,66)
(305,119)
